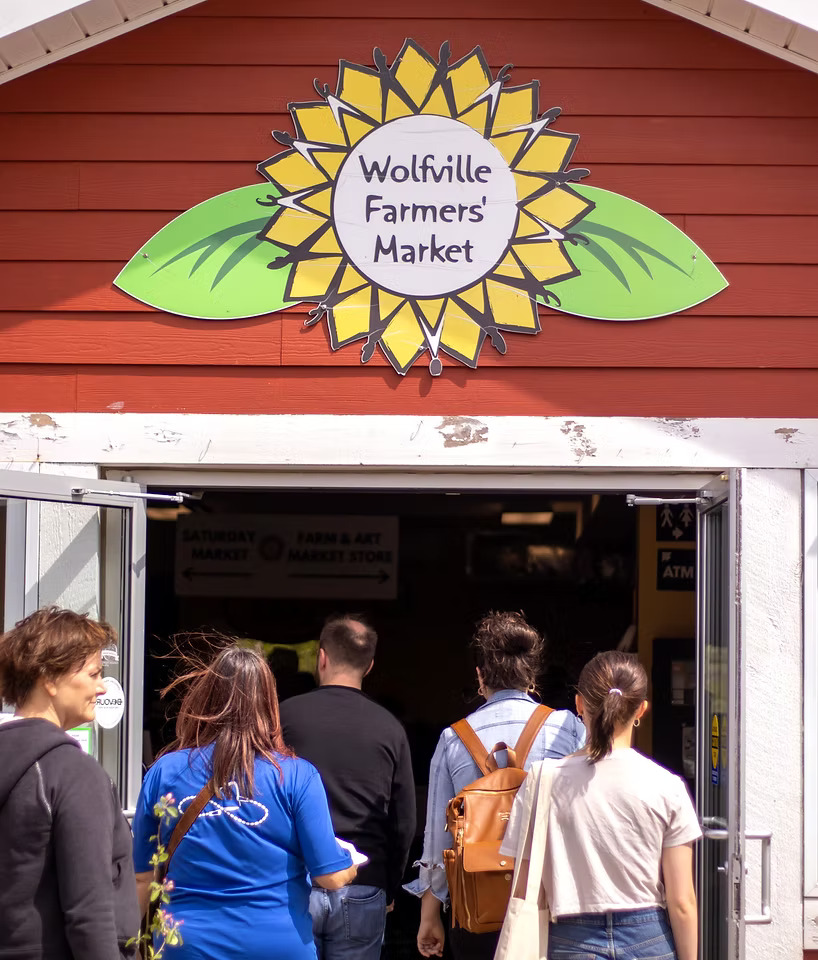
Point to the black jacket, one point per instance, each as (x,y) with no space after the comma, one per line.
(362,754)
(67,889)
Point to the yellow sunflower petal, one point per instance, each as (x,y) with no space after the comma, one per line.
(315,123)
(460,334)
(549,152)
(559,207)
(527,227)
(293,172)
(437,104)
(545,259)
(509,144)
(432,311)
(514,108)
(403,338)
(477,117)
(330,161)
(350,318)
(474,297)
(388,303)
(469,79)
(526,185)
(361,88)
(396,108)
(319,201)
(351,280)
(326,243)
(512,308)
(312,278)
(293,227)
(356,127)
(415,72)
(508,267)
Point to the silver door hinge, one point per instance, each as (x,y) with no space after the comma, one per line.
(633,500)
(177,497)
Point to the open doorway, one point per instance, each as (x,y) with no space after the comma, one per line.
(588,571)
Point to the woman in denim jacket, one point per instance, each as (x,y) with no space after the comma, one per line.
(507,651)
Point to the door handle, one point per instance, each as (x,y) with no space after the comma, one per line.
(714,828)
(766,837)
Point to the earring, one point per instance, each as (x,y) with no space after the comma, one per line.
(636,722)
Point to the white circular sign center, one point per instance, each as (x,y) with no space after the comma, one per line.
(111,704)
(424,206)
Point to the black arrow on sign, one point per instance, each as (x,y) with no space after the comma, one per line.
(189,573)
(382,576)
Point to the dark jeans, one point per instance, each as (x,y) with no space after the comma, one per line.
(631,934)
(472,946)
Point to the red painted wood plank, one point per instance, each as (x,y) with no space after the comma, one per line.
(161,339)
(522,9)
(112,88)
(754,239)
(632,140)
(116,235)
(130,338)
(486,392)
(37,387)
(755,291)
(682,189)
(525,43)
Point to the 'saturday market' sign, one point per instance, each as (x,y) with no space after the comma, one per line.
(424,207)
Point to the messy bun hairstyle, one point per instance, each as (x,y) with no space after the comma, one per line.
(508,650)
(613,686)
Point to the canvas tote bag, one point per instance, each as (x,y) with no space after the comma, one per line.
(524,935)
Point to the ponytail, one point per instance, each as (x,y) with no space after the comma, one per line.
(613,686)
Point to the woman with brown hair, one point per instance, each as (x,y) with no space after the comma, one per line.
(507,652)
(618,870)
(68,885)
(240,875)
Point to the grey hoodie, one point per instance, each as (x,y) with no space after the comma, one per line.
(67,889)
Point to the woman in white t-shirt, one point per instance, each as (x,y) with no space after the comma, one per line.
(619,856)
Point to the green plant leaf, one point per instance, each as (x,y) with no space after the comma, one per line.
(635,264)
(208,263)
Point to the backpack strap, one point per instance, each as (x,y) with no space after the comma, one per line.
(472,743)
(185,822)
(530,731)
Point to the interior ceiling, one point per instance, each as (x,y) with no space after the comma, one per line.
(34,33)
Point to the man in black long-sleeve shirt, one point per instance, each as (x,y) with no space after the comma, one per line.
(362,754)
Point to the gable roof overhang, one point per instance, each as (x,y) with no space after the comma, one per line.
(37,32)
(787,29)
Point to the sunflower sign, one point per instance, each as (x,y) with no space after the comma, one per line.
(424,207)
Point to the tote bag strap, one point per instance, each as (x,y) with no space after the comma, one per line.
(531,846)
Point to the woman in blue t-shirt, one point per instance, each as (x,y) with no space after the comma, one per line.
(241,874)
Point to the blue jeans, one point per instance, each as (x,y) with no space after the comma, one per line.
(619,935)
(348,924)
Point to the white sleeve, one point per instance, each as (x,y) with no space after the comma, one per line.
(520,814)
(683,824)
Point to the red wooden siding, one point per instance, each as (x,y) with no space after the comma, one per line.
(98,152)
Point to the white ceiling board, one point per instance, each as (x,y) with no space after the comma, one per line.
(804,12)
(59,31)
(736,13)
(98,15)
(21,48)
(771,27)
(805,41)
(101,20)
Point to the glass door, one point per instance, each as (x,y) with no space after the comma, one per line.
(719,858)
(79,543)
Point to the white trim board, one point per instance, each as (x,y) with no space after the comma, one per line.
(414,443)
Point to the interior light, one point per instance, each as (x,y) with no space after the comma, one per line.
(533,519)
(167,513)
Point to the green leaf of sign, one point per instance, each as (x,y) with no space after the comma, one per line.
(634,265)
(208,263)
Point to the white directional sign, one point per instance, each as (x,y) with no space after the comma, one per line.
(262,555)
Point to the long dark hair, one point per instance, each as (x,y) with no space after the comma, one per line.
(230,702)
(613,686)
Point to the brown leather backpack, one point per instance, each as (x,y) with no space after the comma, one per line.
(479,878)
